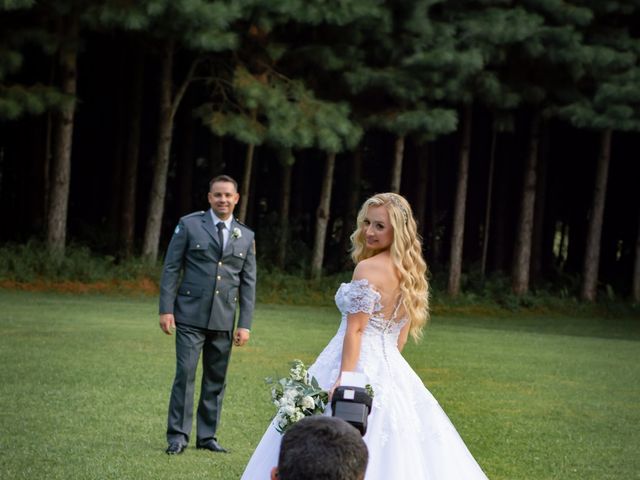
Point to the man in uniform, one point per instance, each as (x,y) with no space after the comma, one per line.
(209,272)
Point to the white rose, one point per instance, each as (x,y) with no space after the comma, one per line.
(307,402)
(290,396)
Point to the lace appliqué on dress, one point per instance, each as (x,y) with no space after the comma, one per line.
(357,296)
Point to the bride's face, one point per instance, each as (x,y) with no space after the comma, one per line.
(377,229)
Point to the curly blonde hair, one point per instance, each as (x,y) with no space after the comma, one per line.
(406,254)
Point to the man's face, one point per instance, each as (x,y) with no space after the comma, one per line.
(223,199)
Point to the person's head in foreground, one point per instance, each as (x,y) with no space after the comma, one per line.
(321,448)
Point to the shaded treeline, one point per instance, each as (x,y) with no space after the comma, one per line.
(512,127)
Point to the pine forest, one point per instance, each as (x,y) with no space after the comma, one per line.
(512,127)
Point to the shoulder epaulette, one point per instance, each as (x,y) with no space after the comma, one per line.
(238,221)
(195,214)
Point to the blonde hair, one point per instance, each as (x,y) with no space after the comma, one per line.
(406,255)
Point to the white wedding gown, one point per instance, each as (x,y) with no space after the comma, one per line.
(409,436)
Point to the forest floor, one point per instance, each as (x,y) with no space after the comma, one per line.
(283,289)
(143,286)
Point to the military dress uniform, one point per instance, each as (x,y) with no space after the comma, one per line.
(203,286)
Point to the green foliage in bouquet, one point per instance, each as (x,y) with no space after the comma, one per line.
(296,396)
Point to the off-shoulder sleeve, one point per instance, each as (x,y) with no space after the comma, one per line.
(361,298)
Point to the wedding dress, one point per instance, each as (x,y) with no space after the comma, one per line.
(409,437)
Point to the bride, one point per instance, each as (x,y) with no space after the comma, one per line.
(409,437)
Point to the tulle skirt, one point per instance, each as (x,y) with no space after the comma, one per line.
(409,437)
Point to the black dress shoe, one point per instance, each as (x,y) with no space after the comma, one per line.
(211,445)
(175,448)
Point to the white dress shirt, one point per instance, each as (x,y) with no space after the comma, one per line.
(227,223)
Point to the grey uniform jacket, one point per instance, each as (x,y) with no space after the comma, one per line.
(212,286)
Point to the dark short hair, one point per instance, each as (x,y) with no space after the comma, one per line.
(223,178)
(322,448)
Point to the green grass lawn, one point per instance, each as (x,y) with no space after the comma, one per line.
(85,385)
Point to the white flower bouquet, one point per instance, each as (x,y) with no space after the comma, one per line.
(296,396)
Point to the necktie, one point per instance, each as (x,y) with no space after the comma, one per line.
(221,226)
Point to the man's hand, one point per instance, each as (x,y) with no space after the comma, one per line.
(167,323)
(241,337)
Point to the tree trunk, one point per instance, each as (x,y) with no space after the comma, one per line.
(2,179)
(61,168)
(245,187)
(635,289)
(117,172)
(562,246)
(322,217)
(36,214)
(46,166)
(216,156)
(186,160)
(539,222)
(285,202)
(168,108)
(119,142)
(297,208)
(353,199)
(421,195)
(130,173)
(499,245)
(46,173)
(253,207)
(457,237)
(594,232)
(246,183)
(163,150)
(434,234)
(487,212)
(522,253)
(396,170)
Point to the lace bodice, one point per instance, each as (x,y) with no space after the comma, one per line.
(359,296)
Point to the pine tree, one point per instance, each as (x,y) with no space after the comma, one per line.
(193,28)
(130,170)
(530,52)
(488,31)
(21,25)
(287,161)
(606,99)
(546,65)
(267,101)
(408,70)
(61,166)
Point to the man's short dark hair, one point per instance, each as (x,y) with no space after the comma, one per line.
(223,178)
(322,448)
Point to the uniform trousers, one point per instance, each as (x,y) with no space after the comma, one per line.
(216,349)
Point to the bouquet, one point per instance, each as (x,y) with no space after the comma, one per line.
(296,396)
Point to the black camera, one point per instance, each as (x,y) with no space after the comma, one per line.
(353,405)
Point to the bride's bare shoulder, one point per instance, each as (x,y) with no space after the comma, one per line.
(374,270)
